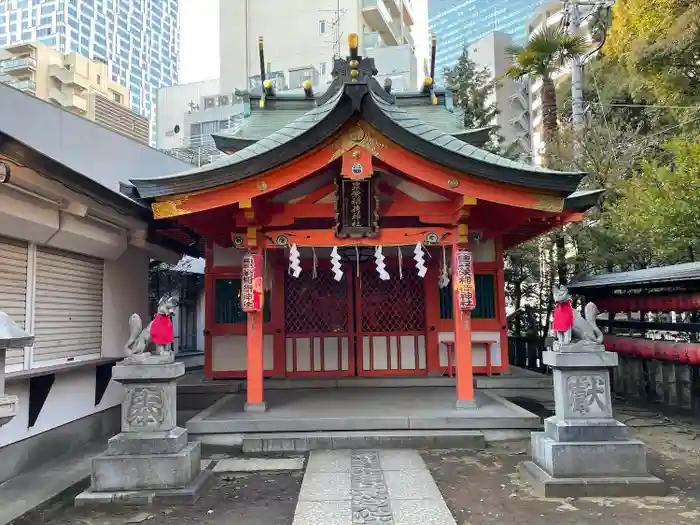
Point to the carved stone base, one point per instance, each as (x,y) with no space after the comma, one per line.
(146,358)
(546,486)
(187,495)
(151,460)
(152,471)
(140,443)
(584,450)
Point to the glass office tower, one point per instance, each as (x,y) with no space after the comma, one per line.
(459,22)
(138,39)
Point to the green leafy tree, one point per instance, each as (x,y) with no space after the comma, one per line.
(658,43)
(472,90)
(659,210)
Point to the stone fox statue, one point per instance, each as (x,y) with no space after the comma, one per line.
(157,335)
(568,323)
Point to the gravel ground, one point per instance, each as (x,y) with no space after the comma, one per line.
(242,499)
(483,488)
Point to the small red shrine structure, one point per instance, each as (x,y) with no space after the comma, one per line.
(356,207)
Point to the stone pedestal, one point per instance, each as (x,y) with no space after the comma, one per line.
(583,450)
(151,460)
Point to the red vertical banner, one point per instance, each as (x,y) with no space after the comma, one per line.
(252,294)
(463,280)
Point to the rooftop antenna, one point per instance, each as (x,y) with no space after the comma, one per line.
(334,23)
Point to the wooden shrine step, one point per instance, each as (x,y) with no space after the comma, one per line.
(384,439)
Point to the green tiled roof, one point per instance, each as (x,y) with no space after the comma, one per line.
(396,117)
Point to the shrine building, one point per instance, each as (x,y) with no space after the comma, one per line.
(357,202)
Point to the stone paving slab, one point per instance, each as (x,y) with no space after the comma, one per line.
(370,487)
(323,513)
(325,487)
(258,464)
(328,461)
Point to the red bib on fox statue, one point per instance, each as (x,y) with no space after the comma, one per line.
(162,330)
(563,317)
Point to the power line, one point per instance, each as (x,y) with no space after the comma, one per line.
(659,106)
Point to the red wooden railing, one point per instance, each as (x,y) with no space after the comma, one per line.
(649,349)
(682,302)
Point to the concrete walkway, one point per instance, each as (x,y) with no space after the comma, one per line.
(353,487)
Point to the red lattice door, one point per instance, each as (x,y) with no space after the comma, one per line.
(319,324)
(390,323)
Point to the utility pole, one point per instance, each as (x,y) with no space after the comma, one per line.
(573,16)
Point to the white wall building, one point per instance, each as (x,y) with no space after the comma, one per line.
(188,114)
(301,38)
(511,96)
(74,266)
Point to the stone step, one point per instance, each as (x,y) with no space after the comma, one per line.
(384,439)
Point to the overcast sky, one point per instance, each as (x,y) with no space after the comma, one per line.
(199,40)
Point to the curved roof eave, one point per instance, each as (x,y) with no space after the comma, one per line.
(428,142)
(399,125)
(287,144)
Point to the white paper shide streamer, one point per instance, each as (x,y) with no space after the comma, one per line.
(444,279)
(294,261)
(381,267)
(420,261)
(400,263)
(335,264)
(314,268)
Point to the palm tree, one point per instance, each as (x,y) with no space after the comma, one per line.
(548,51)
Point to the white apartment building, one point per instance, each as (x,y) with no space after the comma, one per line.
(548,15)
(188,114)
(301,39)
(510,96)
(394,32)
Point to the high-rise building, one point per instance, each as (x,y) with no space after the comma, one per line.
(138,39)
(302,38)
(75,83)
(460,22)
(510,96)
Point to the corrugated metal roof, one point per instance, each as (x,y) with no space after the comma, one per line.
(678,273)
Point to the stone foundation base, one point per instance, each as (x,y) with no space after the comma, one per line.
(181,496)
(146,472)
(465,404)
(589,458)
(255,407)
(546,486)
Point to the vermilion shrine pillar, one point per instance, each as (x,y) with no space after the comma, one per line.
(463,332)
(252,298)
(255,401)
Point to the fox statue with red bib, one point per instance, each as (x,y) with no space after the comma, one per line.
(158,335)
(569,325)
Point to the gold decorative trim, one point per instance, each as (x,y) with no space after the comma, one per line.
(171,208)
(550,203)
(357,135)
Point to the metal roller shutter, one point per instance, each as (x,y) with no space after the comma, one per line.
(13,288)
(68,305)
